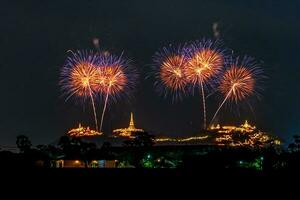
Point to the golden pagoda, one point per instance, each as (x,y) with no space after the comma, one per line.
(82,132)
(127,132)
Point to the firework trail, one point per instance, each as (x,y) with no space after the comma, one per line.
(78,77)
(115,78)
(104,108)
(239,82)
(206,60)
(169,67)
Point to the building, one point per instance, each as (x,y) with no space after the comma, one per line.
(127,132)
(243,135)
(61,163)
(83,132)
(243,128)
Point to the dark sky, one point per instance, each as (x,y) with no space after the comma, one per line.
(35,36)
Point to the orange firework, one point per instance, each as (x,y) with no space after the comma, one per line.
(203,65)
(170,66)
(239,82)
(111,80)
(172,72)
(205,61)
(115,77)
(83,79)
(78,77)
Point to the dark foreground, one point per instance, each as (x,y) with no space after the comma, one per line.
(169,181)
(117,173)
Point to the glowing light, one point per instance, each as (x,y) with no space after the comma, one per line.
(87,75)
(78,77)
(195,138)
(251,136)
(82,79)
(170,65)
(172,72)
(203,65)
(243,128)
(115,79)
(277,142)
(128,132)
(206,60)
(82,132)
(239,82)
(111,80)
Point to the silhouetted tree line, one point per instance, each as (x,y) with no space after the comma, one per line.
(139,151)
(137,147)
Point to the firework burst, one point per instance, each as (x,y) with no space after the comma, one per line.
(240,81)
(206,60)
(237,83)
(115,79)
(170,72)
(78,77)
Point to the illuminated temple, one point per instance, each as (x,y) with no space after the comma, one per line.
(243,135)
(244,128)
(83,132)
(237,136)
(128,132)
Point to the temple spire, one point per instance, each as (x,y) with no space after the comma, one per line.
(128,132)
(131,123)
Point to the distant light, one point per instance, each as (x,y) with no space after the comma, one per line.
(77,161)
(148,156)
(83,132)
(262,158)
(241,162)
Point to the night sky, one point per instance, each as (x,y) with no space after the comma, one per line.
(35,37)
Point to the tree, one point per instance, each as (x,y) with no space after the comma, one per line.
(75,148)
(70,146)
(86,149)
(64,143)
(295,146)
(106,145)
(296,139)
(49,150)
(127,143)
(23,143)
(143,139)
(41,147)
(106,150)
(140,141)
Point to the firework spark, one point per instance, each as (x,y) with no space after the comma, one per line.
(115,78)
(170,66)
(239,82)
(78,77)
(206,60)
